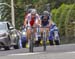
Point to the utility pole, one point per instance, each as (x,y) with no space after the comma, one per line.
(0,9)
(12,13)
(0,13)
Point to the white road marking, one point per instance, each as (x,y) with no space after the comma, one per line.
(26,54)
(21,54)
(73,52)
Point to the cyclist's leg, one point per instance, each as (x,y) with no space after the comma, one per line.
(28,33)
(47,32)
(41,32)
(34,35)
(37,36)
(28,36)
(47,35)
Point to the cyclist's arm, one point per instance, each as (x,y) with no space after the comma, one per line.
(50,23)
(39,21)
(25,21)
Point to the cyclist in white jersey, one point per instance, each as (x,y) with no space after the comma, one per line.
(32,20)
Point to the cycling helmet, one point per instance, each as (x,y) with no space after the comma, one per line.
(46,13)
(33,11)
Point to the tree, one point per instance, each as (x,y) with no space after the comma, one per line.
(63,17)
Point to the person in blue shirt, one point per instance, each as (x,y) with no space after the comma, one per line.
(54,35)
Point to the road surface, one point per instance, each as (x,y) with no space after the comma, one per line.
(53,52)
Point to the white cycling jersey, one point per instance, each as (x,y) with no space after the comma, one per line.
(28,19)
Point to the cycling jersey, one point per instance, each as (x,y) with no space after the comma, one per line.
(31,21)
(45,22)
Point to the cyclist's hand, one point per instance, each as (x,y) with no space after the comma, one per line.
(24,26)
(39,25)
(48,26)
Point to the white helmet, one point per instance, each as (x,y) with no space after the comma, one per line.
(33,11)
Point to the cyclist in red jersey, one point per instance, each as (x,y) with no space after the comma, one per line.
(32,20)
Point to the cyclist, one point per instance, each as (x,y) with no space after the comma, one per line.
(46,21)
(32,20)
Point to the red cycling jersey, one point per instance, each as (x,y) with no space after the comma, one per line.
(32,21)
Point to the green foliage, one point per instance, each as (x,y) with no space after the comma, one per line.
(64,17)
(34,1)
(58,14)
(54,11)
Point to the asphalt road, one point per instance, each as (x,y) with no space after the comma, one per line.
(53,52)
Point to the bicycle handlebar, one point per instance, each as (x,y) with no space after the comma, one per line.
(36,27)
